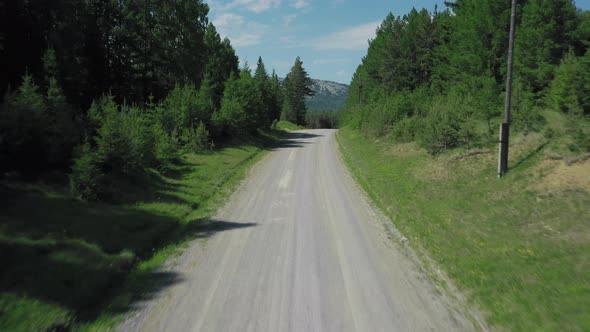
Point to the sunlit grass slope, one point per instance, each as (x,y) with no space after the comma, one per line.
(519,247)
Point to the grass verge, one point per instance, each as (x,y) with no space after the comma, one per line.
(71,265)
(517,247)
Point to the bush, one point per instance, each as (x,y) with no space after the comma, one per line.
(570,90)
(123,147)
(441,130)
(322,119)
(23,130)
(87,177)
(405,130)
(178,110)
(581,141)
(166,147)
(230,116)
(124,144)
(377,120)
(527,118)
(198,140)
(62,133)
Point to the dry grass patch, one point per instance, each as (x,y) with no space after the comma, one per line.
(403,150)
(557,176)
(452,166)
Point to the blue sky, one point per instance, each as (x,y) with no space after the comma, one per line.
(330,36)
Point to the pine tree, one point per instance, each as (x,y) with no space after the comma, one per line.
(222,62)
(543,38)
(23,129)
(263,94)
(61,129)
(277,96)
(205,102)
(297,87)
(239,106)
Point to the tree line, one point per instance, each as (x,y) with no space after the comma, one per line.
(107,89)
(435,77)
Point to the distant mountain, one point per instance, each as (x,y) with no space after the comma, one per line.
(328,95)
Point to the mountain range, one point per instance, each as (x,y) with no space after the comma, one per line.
(328,95)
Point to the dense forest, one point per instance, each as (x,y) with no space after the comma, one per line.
(438,77)
(101,90)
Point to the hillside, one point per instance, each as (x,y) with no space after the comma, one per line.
(519,245)
(329,95)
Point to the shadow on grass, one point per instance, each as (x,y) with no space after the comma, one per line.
(83,256)
(529,156)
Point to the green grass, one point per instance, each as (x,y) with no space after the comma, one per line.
(520,254)
(81,266)
(288,126)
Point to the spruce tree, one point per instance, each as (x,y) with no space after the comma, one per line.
(221,62)
(277,97)
(297,87)
(543,38)
(263,94)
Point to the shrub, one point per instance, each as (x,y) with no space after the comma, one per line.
(123,147)
(526,116)
(198,139)
(166,147)
(231,116)
(322,119)
(183,110)
(23,129)
(581,141)
(62,130)
(179,109)
(405,130)
(87,178)
(441,130)
(378,119)
(570,90)
(240,107)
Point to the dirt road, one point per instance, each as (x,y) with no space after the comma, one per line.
(298,249)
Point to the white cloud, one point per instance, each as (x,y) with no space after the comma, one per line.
(289,41)
(240,31)
(328,61)
(256,6)
(353,38)
(286,39)
(340,73)
(226,20)
(288,19)
(298,4)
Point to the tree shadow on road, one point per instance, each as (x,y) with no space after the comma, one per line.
(295,140)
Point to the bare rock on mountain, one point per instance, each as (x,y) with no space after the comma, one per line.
(328,95)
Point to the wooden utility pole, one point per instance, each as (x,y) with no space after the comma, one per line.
(505,127)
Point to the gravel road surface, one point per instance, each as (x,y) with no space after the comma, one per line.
(298,248)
